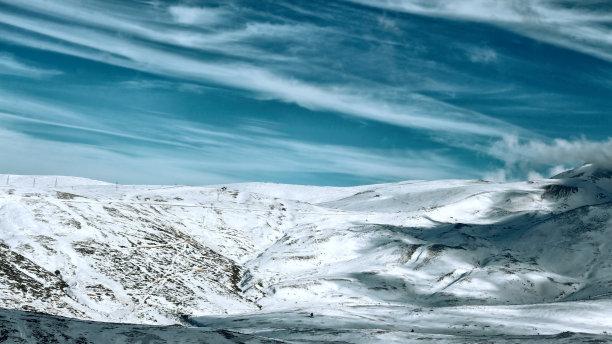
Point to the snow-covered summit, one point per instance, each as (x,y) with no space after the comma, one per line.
(593,172)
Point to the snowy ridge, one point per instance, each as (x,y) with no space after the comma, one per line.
(378,255)
(34,181)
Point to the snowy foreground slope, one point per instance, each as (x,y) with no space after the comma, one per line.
(454,260)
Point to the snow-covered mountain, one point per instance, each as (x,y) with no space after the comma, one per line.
(438,257)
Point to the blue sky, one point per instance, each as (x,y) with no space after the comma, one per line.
(311,92)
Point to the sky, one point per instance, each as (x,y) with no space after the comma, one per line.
(318,92)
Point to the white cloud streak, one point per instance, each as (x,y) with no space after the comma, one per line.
(190,15)
(9,65)
(481,55)
(138,43)
(221,158)
(414,111)
(544,20)
(197,153)
(233,40)
(29,107)
(29,154)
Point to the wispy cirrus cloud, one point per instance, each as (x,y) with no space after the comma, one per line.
(83,40)
(222,156)
(30,107)
(9,65)
(184,65)
(197,153)
(191,15)
(482,55)
(573,26)
(180,26)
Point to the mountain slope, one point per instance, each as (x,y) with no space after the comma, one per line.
(152,254)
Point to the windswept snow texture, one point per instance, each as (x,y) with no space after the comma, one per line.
(454,260)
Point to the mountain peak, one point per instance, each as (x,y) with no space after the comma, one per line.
(586,171)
